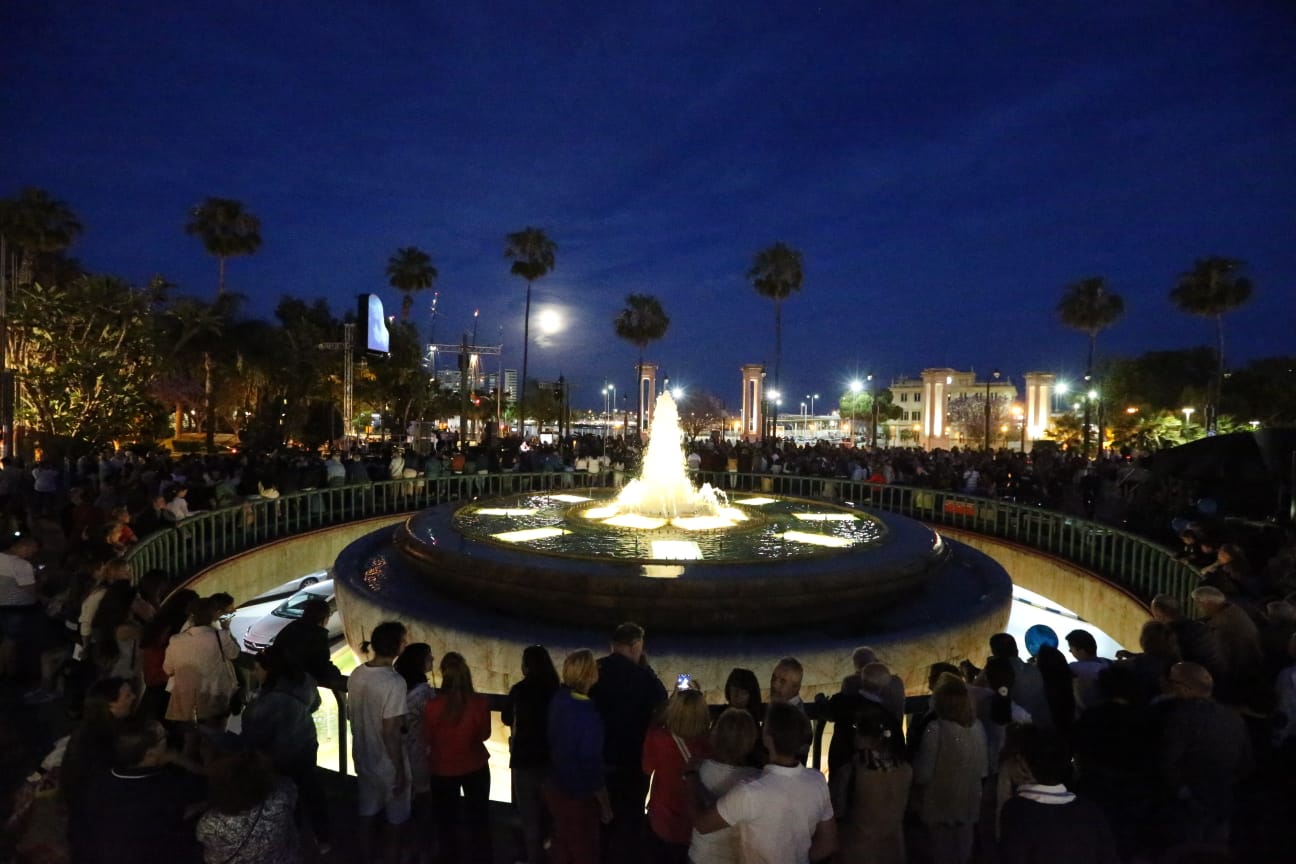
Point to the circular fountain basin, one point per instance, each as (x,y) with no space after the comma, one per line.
(782,563)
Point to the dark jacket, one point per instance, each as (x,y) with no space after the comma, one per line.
(278,722)
(1035,833)
(527,712)
(627,696)
(307,646)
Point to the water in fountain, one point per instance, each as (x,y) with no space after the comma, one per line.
(663,487)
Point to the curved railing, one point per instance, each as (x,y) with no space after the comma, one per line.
(1138,565)
(1127,560)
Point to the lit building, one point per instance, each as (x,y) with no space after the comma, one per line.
(924,403)
(510,384)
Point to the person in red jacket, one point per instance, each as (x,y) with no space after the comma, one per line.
(456,725)
(670,752)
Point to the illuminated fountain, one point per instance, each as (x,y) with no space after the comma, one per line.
(663,493)
(565,565)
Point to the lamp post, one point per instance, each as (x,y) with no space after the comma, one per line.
(1187,412)
(872,436)
(994,376)
(812,397)
(856,387)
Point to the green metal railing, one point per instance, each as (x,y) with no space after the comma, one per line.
(1140,566)
(1127,560)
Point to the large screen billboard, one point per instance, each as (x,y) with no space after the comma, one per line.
(376,338)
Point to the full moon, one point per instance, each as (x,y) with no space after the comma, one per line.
(550,322)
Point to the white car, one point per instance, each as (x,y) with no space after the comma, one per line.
(263,631)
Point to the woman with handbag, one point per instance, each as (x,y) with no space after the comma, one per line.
(669,752)
(200,663)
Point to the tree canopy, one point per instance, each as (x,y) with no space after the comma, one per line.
(642,322)
(226,229)
(777,273)
(409,270)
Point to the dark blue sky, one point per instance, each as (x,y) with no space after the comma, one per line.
(946,168)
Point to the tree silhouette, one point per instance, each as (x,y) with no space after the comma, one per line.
(39,226)
(1210,290)
(1088,306)
(777,273)
(226,231)
(641,322)
(408,271)
(532,254)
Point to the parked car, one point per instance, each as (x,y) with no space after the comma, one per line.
(263,632)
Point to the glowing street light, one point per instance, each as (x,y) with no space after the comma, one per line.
(1187,412)
(812,397)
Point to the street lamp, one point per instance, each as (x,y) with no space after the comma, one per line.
(873,414)
(856,387)
(812,397)
(609,403)
(803,408)
(994,377)
(1187,412)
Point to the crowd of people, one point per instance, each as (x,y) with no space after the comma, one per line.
(1186,742)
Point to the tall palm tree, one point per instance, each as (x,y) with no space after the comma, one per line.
(410,270)
(777,273)
(39,225)
(192,326)
(1088,306)
(532,254)
(226,229)
(642,321)
(1212,288)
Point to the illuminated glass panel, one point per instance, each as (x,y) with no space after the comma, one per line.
(529,534)
(756,502)
(599,512)
(663,571)
(676,550)
(570,499)
(506,511)
(818,539)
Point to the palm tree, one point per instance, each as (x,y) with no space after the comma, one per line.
(192,325)
(410,270)
(643,320)
(226,229)
(1088,306)
(1212,288)
(532,254)
(39,225)
(776,273)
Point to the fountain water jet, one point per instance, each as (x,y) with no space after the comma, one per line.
(663,491)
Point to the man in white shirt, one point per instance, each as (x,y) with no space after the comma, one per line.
(376,710)
(17,602)
(784,816)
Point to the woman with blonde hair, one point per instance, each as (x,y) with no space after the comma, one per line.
(948,772)
(456,725)
(669,751)
(733,738)
(574,788)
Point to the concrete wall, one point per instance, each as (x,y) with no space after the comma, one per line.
(1110,607)
(1106,605)
(248,574)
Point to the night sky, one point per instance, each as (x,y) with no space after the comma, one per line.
(946,168)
